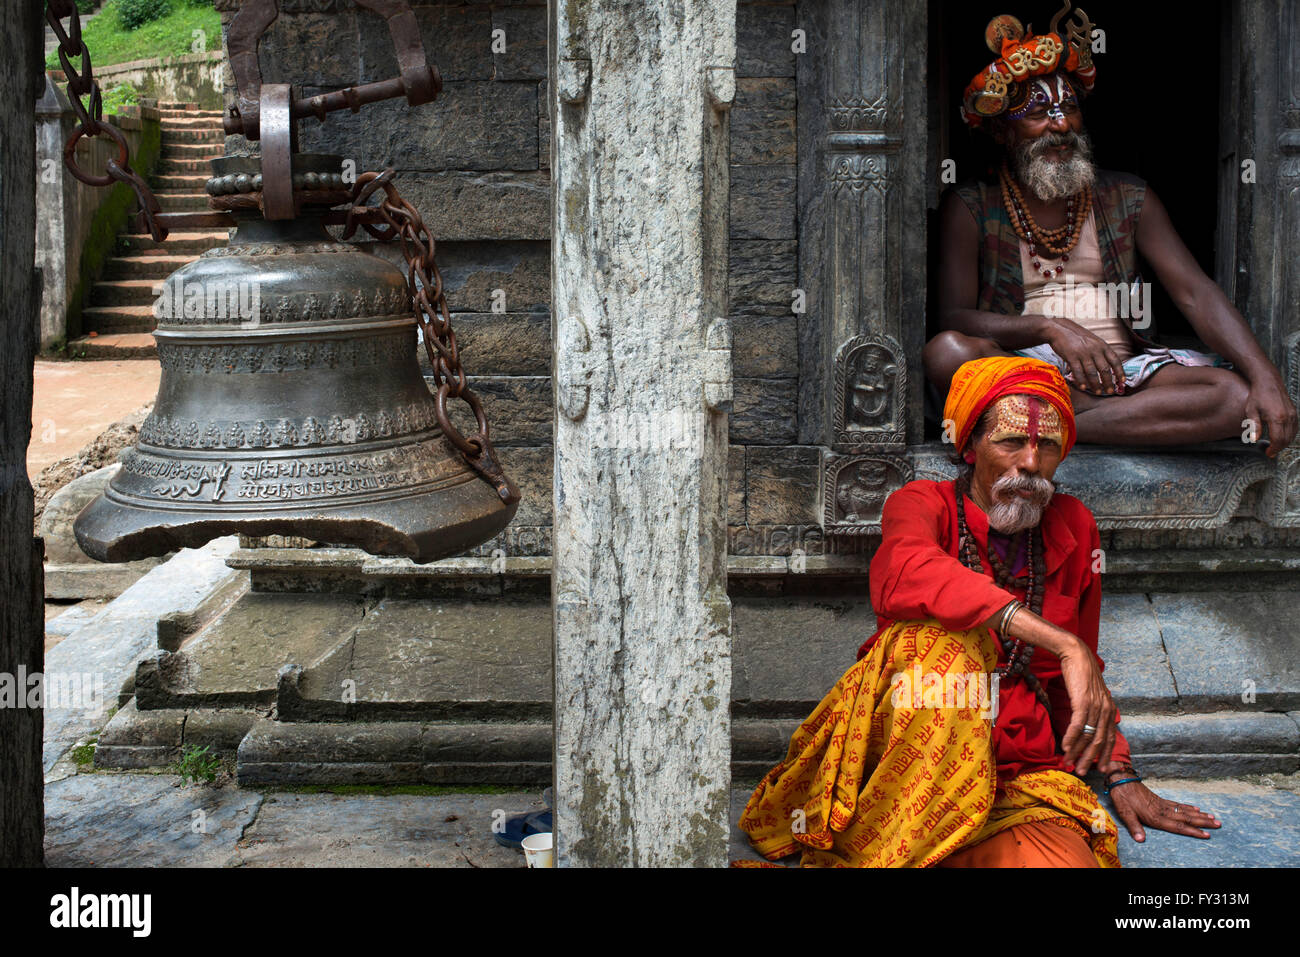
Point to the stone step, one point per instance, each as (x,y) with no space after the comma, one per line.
(190,121)
(124,292)
(191,151)
(173,105)
(183,182)
(477,752)
(105,319)
(485,664)
(177,201)
(115,345)
(183,167)
(205,135)
(178,242)
(144,265)
(209,115)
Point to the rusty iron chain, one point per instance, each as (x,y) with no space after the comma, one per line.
(90,121)
(398,219)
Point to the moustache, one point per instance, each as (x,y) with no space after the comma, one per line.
(1052,140)
(1041,490)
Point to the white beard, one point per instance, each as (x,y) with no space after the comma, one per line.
(1051,180)
(1010,513)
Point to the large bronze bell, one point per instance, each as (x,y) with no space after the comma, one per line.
(290,402)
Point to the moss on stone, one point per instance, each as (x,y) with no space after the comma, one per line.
(109,220)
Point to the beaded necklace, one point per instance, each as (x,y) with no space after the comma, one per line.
(1059,241)
(1017,651)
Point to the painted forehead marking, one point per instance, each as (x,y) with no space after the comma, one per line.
(1018,416)
(1047,93)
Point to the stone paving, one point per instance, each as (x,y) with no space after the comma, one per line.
(152,820)
(110,819)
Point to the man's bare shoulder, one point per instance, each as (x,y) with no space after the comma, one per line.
(1119,178)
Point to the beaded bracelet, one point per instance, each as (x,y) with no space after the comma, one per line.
(1110,787)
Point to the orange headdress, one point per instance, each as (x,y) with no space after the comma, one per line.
(1023,56)
(981,382)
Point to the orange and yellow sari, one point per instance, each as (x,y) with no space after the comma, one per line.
(875,778)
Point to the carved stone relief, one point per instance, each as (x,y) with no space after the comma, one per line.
(870,392)
(856,488)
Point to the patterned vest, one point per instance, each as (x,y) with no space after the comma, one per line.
(1117,207)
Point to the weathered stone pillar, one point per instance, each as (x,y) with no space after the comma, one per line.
(638,102)
(54,122)
(868,279)
(1263,93)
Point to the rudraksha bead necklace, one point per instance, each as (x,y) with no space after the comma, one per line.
(1059,241)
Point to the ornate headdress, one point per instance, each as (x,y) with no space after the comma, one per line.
(979,383)
(1005,83)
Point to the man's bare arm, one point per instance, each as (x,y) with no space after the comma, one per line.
(1216,322)
(959,252)
(1090,702)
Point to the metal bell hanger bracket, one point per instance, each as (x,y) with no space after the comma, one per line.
(268,112)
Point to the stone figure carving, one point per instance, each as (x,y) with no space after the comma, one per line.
(869,387)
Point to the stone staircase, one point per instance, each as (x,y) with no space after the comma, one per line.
(119,315)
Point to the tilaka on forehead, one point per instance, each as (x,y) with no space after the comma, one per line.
(1048,93)
(1020,416)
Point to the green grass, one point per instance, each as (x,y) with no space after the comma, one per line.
(198,764)
(120,96)
(84,755)
(170,36)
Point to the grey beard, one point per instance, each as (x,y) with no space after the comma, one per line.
(1015,514)
(1051,180)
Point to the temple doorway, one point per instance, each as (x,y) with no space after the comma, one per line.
(1155,113)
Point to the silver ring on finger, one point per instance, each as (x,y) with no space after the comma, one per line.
(1089,729)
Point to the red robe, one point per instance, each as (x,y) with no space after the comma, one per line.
(915,574)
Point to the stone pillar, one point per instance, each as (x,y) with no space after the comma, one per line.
(638,100)
(869,299)
(1267,223)
(54,123)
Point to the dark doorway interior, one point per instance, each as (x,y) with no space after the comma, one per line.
(1154,112)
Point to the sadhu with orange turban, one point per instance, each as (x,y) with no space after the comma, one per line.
(960,736)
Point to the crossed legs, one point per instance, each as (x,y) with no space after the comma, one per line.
(1178,405)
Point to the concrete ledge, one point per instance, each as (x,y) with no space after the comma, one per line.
(79,581)
(395,753)
(347,565)
(1222,733)
(410,752)
(1214,765)
(109,646)
(136,739)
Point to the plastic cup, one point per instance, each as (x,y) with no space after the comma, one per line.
(539,850)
